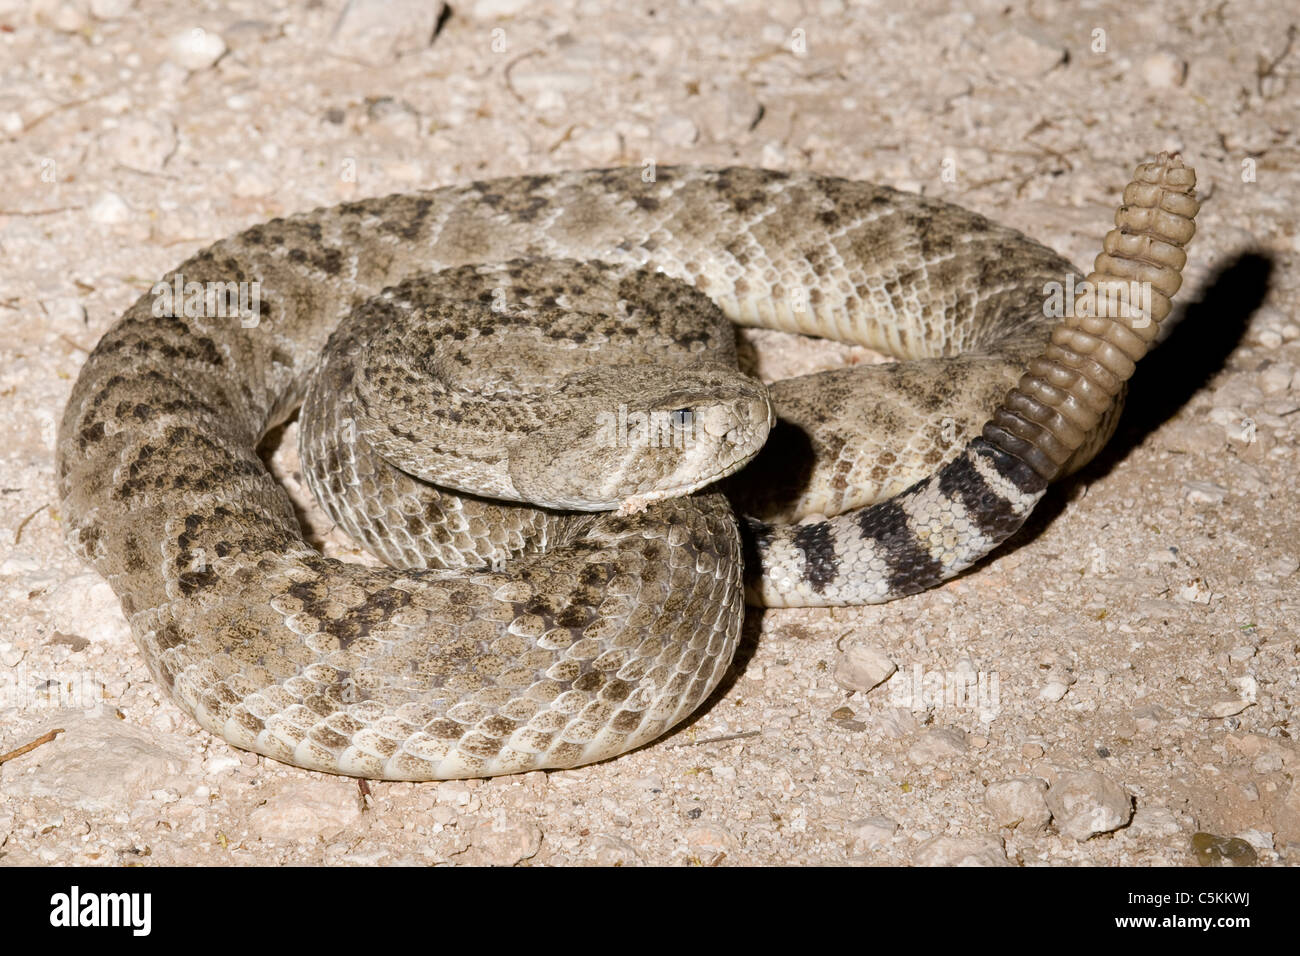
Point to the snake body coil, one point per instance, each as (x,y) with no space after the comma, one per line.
(510,638)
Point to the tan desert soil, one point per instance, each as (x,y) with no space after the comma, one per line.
(1134,649)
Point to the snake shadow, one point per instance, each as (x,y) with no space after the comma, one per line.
(1210,329)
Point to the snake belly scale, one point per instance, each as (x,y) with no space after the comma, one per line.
(508,637)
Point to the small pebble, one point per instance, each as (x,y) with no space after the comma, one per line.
(1164,69)
(492,9)
(1205,492)
(109,208)
(141,144)
(870,834)
(1025,53)
(986,850)
(63,15)
(607,850)
(677,131)
(110,9)
(1277,378)
(1154,822)
(443,815)
(379,31)
(1085,804)
(1053,691)
(1019,802)
(1212,850)
(65,311)
(196,48)
(504,844)
(936,744)
(708,840)
(863,666)
(306,810)
(1267,763)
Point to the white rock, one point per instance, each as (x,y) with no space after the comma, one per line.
(677,131)
(308,809)
(66,16)
(109,208)
(532,78)
(606,850)
(1270,762)
(10,654)
(724,774)
(708,840)
(986,850)
(379,31)
(896,723)
(99,764)
(141,144)
(443,815)
(862,667)
(1164,69)
(1229,708)
(1019,802)
(65,311)
(1205,492)
(937,743)
(1155,822)
(503,844)
(1276,379)
(85,604)
(600,145)
(110,9)
(1147,719)
(453,792)
(1053,690)
(221,763)
(196,48)
(1087,803)
(870,833)
(395,116)
(1025,53)
(494,9)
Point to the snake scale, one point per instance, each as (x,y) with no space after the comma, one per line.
(505,636)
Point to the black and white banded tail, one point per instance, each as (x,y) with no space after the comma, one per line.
(946,522)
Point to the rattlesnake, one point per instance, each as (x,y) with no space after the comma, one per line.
(548,639)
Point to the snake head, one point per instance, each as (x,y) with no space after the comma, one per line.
(622,436)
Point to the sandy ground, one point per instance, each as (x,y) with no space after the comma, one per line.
(1134,649)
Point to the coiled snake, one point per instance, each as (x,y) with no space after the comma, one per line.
(564,340)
